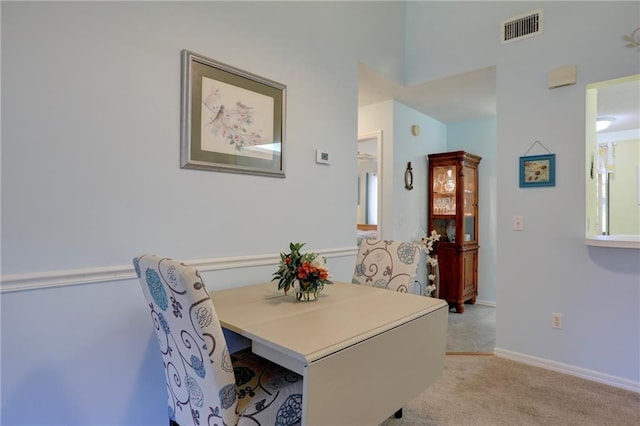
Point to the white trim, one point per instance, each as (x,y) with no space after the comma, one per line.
(486,303)
(595,376)
(50,279)
(614,241)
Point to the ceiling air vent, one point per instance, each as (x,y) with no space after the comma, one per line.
(521,26)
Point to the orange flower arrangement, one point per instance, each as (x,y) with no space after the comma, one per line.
(308,269)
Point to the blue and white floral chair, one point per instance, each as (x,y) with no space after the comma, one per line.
(205,384)
(388,264)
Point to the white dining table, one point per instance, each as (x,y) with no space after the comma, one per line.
(363,352)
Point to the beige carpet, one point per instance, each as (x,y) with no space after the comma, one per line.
(487,390)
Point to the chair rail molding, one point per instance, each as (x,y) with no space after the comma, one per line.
(50,279)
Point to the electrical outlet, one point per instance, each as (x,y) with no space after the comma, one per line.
(556,320)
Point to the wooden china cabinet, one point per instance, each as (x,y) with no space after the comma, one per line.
(453,213)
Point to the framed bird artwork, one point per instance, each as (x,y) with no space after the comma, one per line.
(231,120)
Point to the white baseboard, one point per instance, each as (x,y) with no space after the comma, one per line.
(39,280)
(486,303)
(571,370)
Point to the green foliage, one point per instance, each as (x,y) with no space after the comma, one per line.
(307,268)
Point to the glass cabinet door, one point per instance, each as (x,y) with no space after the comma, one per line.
(444,190)
(443,209)
(470,204)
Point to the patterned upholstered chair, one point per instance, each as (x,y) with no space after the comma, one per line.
(205,384)
(388,264)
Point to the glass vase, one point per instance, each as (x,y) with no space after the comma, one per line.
(305,292)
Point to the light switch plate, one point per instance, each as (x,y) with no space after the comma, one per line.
(322,156)
(518,223)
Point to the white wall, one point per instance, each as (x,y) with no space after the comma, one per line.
(96,142)
(546,268)
(479,137)
(410,207)
(91,177)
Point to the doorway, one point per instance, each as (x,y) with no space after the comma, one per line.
(369,210)
(446,101)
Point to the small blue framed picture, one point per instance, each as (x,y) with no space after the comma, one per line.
(538,170)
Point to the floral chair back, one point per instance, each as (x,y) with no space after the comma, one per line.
(388,264)
(205,384)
